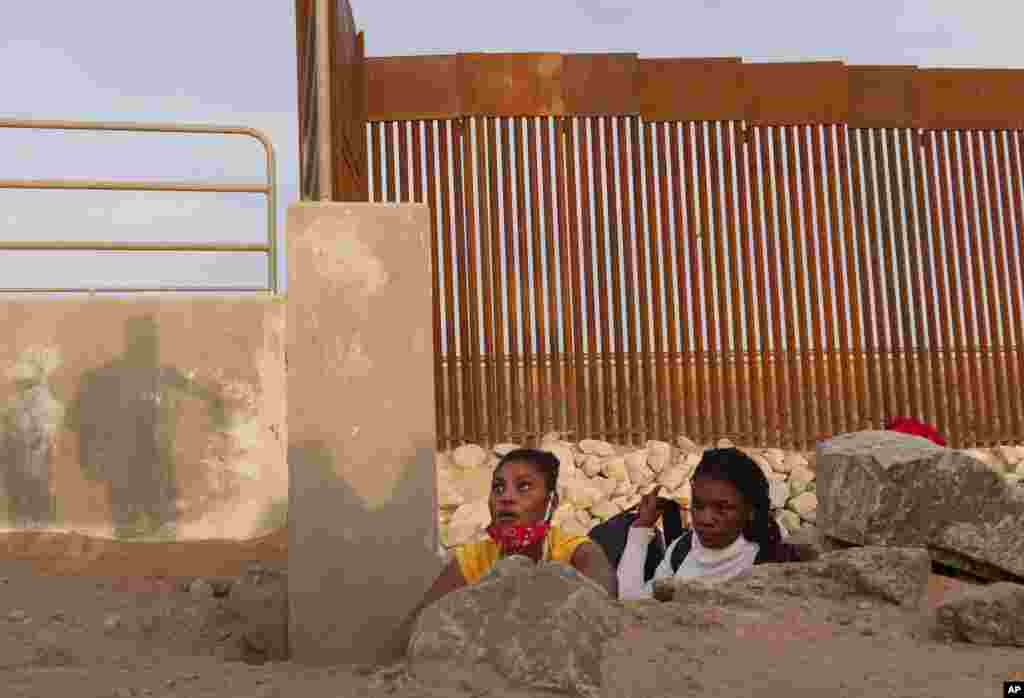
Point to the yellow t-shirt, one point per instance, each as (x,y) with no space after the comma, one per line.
(476,558)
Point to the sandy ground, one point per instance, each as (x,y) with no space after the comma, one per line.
(93,618)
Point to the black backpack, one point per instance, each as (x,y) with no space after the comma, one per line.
(611,536)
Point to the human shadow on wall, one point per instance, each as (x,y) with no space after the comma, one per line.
(356,560)
(126,433)
(30,422)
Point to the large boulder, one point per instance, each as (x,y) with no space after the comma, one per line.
(537,625)
(893,489)
(989,615)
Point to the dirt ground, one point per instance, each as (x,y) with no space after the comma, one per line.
(102,619)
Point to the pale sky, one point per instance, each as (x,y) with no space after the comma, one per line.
(233,63)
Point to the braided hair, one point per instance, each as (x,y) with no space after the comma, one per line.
(736,467)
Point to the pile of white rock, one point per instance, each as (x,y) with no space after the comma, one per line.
(598,480)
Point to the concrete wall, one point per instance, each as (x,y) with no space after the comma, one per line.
(363,530)
(144,416)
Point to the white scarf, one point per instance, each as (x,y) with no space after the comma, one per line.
(710,565)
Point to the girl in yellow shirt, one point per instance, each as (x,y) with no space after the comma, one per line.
(523,497)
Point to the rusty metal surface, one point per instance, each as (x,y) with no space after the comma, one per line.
(570,274)
(449,317)
(683,420)
(956,346)
(673,411)
(690,89)
(512,291)
(348,104)
(468,272)
(738,384)
(881,96)
(785,166)
(751,371)
(697,205)
(511,84)
(552,248)
(819,404)
(617,318)
(786,94)
(969,98)
(1016,148)
(1014,332)
(499,409)
(836,288)
(430,170)
(482,204)
(903,216)
(974,289)
(571,198)
(988,271)
(594,412)
(376,163)
(538,256)
(636,128)
(831,384)
(412,87)
(947,420)
(913,196)
(759,228)
(962,326)
(846,385)
(634,369)
(886,320)
(608,421)
(717,234)
(773,193)
(526,313)
(998,187)
(599,84)
(655,269)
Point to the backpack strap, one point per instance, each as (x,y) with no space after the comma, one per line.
(681,549)
(671,518)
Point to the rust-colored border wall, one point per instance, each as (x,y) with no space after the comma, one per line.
(631,248)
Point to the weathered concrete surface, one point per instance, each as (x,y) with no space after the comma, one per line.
(886,488)
(143,417)
(363,502)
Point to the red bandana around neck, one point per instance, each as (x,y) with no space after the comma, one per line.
(512,538)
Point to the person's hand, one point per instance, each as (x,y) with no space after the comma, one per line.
(647,513)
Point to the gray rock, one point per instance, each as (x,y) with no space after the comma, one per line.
(256,614)
(898,575)
(892,489)
(989,615)
(200,589)
(534,625)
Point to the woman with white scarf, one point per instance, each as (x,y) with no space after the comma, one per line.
(732,528)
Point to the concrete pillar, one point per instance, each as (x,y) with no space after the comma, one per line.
(363,531)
